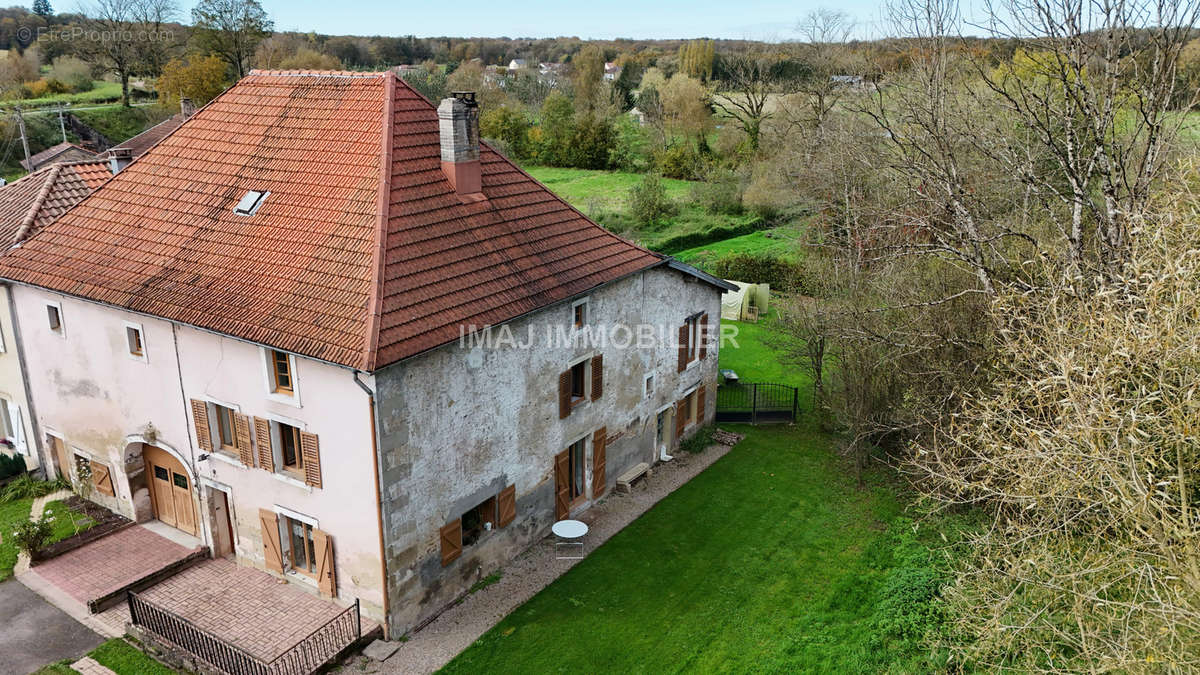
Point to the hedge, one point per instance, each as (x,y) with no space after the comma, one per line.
(682,242)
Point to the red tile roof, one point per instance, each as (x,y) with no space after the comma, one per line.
(34,201)
(342,262)
(138,145)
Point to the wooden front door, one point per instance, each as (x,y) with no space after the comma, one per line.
(170,490)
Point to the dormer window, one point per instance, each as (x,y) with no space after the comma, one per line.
(250,203)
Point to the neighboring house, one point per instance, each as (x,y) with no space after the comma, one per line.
(254,333)
(611,71)
(517,64)
(637,116)
(26,206)
(63,152)
(138,145)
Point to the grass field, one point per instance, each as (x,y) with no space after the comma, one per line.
(604,196)
(117,655)
(772,560)
(782,242)
(101,91)
(65,524)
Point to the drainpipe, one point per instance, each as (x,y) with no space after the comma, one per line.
(387,630)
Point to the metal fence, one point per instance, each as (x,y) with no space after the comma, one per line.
(303,658)
(757,402)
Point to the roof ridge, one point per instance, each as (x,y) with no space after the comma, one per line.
(317,73)
(382,213)
(36,206)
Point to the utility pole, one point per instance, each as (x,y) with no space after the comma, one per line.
(24,139)
(62,125)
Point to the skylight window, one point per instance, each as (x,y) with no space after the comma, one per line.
(250,203)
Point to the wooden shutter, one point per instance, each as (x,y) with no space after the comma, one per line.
(101,478)
(597,376)
(599,476)
(311,448)
(703,335)
(680,418)
(272,553)
(564,394)
(684,336)
(203,433)
(562,485)
(451,541)
(506,502)
(262,436)
(323,545)
(241,425)
(701,393)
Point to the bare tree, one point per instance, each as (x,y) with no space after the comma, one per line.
(1093,82)
(125,37)
(745,87)
(232,29)
(823,50)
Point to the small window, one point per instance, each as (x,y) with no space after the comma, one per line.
(289,447)
(689,409)
(161,473)
(250,203)
(180,480)
(579,313)
(281,373)
(225,428)
(578,371)
(301,550)
(478,520)
(133,336)
(649,386)
(54,315)
(693,324)
(8,428)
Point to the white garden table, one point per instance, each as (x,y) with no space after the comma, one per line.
(569,532)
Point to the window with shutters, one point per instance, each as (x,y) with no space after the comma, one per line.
(576,458)
(578,382)
(297,544)
(290,456)
(478,520)
(226,430)
(693,331)
(689,408)
(648,386)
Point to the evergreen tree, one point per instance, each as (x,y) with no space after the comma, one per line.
(42,8)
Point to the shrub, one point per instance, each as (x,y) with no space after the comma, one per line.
(510,127)
(11,465)
(720,193)
(680,161)
(760,268)
(648,201)
(592,142)
(27,487)
(697,442)
(76,74)
(31,535)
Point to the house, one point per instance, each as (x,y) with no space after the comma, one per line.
(137,146)
(611,71)
(637,116)
(63,152)
(517,64)
(323,330)
(27,206)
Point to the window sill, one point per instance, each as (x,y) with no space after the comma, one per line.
(228,459)
(283,477)
(287,399)
(303,577)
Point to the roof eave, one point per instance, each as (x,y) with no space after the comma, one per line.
(700,274)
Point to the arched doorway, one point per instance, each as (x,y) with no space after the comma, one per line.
(170,490)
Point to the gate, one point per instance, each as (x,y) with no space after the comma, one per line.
(757,403)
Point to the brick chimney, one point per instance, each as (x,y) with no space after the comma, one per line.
(458,121)
(186,107)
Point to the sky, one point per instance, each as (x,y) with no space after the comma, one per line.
(771,20)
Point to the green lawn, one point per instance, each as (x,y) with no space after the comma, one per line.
(604,197)
(101,91)
(782,242)
(772,560)
(119,123)
(66,523)
(119,656)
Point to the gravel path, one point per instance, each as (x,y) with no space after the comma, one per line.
(437,643)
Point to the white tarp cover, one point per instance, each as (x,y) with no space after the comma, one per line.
(735,304)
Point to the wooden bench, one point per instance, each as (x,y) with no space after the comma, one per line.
(625,480)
